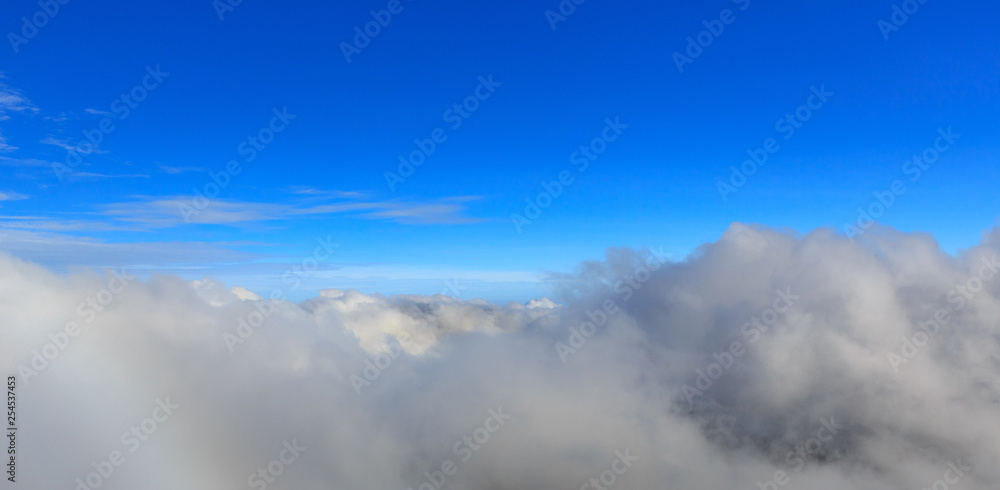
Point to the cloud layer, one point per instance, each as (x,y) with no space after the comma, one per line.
(763,359)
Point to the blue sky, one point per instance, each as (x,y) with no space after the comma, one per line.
(889,95)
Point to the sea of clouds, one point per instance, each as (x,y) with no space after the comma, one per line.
(764,360)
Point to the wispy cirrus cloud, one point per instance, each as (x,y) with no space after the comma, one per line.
(12,100)
(70,225)
(11,196)
(167,211)
(56,245)
(4,146)
(167,169)
(259,266)
(95,175)
(24,162)
(97,112)
(326,194)
(425,214)
(66,145)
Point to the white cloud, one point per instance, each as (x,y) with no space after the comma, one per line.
(12,100)
(4,147)
(820,363)
(45,241)
(162,212)
(66,145)
(179,170)
(325,194)
(24,162)
(11,196)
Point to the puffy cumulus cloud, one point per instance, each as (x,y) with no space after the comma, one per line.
(764,360)
(416,323)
